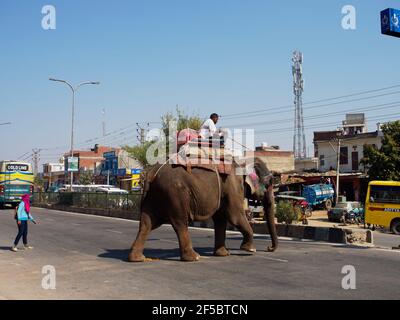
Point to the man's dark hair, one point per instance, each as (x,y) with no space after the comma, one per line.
(214,115)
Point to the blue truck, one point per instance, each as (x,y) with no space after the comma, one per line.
(319,195)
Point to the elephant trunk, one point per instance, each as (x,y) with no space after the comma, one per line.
(269,210)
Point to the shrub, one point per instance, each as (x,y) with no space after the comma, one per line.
(286,213)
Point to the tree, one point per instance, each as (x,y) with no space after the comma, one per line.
(384,163)
(38,182)
(85,177)
(170,120)
(139,152)
(178,122)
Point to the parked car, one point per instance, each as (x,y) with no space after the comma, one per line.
(54,189)
(111,190)
(347,212)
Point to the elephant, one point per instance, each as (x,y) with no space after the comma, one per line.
(175,195)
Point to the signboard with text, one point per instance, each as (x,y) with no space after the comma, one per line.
(136,178)
(73,164)
(390,22)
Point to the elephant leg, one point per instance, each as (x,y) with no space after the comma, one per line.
(185,243)
(238,218)
(220,223)
(147,223)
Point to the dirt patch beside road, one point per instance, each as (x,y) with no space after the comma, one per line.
(319,218)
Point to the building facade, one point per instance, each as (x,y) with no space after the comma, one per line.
(53,174)
(348,142)
(351,152)
(277,161)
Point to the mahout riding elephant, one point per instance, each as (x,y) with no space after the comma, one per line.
(174,195)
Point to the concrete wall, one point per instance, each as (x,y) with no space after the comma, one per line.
(302,165)
(276,161)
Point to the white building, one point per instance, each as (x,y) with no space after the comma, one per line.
(352,142)
(53,173)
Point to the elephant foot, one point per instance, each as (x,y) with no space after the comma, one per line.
(134,257)
(249,247)
(190,256)
(221,252)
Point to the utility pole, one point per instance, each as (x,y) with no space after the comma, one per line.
(338,170)
(35,159)
(103,112)
(299,138)
(141,133)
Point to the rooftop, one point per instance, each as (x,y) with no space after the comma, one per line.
(330,135)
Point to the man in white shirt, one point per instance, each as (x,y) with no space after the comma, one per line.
(208,129)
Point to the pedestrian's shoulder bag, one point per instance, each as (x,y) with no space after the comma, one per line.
(16,213)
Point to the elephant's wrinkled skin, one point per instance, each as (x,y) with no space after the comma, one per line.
(176,196)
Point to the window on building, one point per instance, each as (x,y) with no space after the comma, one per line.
(322,160)
(344,155)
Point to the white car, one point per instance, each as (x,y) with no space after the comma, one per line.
(111,190)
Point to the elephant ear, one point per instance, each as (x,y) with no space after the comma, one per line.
(257,188)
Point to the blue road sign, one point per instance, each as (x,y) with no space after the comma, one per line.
(390,22)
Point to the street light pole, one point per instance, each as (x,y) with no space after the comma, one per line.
(338,170)
(73,89)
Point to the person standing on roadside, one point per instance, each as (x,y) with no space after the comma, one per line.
(22,216)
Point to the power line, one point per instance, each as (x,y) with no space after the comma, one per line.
(383,106)
(232,115)
(320,125)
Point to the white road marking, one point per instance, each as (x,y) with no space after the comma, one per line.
(274,259)
(387,250)
(114,231)
(76,224)
(171,241)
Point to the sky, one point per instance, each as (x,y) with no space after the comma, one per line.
(205,56)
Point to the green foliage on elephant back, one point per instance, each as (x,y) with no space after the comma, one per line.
(286,213)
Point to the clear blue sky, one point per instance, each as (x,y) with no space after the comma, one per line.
(206,56)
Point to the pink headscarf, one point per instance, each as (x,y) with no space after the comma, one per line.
(26,199)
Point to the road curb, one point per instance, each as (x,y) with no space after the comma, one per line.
(332,235)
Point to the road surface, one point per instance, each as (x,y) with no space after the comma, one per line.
(89,256)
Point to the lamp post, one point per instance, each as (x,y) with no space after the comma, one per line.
(73,89)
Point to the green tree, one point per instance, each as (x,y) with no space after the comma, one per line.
(384,163)
(178,122)
(139,152)
(175,121)
(38,182)
(85,177)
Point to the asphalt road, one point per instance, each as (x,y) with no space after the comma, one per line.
(89,256)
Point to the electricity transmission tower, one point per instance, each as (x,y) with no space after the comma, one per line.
(299,138)
(141,133)
(36,159)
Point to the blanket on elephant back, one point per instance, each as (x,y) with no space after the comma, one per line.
(189,162)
